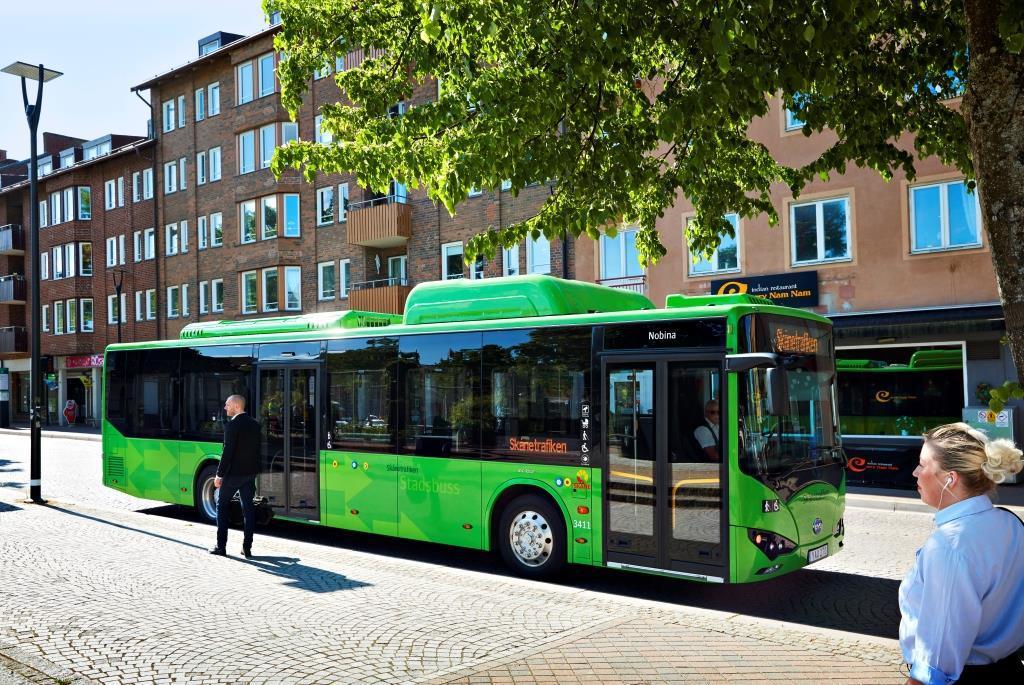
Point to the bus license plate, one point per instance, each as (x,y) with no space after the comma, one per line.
(817,554)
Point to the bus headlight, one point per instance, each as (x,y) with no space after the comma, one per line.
(771,544)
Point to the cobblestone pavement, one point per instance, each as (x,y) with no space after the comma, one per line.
(98,589)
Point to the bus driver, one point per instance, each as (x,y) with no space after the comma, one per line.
(706,434)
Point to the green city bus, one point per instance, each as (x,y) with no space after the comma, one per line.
(550,420)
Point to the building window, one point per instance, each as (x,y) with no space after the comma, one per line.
(113,310)
(151,304)
(289,132)
(85,314)
(325,206)
(170,177)
(69,259)
(326,281)
(944,216)
(268,141)
(183,236)
(476,272)
(538,255)
(510,260)
(398,271)
(213,99)
(201,232)
(820,231)
(345,267)
(214,158)
(136,186)
(246,152)
(293,288)
(171,239)
(120,246)
(451,261)
(243,83)
(322,137)
(44,214)
(200,168)
(247,213)
(200,104)
(216,229)
(85,202)
(249,292)
(147,184)
(58,317)
(792,121)
(85,259)
(270,290)
(46,318)
(120,191)
(138,306)
(109,190)
(292,228)
(217,294)
(173,303)
(149,236)
(44,266)
(168,110)
(58,262)
(72,315)
(204,288)
(182,176)
(725,258)
(266,73)
(137,245)
(181,111)
(69,204)
(184,299)
(268,215)
(342,203)
(55,208)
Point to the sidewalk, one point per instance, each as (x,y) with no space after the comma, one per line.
(1008,496)
(67,432)
(118,598)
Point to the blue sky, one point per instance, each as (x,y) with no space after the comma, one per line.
(104,47)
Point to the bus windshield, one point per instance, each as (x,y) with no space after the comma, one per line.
(806,435)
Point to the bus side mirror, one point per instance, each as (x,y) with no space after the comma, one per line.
(777,382)
(751,360)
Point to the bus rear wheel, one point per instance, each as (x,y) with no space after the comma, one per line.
(206,495)
(531,537)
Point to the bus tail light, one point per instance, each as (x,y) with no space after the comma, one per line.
(771,544)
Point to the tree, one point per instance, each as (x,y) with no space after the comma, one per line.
(628,103)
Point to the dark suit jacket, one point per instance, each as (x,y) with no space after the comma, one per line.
(241,455)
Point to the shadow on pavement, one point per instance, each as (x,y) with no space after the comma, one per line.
(6,508)
(299,575)
(822,599)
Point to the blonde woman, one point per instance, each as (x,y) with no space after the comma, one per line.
(963,601)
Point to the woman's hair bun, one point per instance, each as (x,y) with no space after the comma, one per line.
(1002,459)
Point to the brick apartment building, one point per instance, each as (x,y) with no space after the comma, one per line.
(192,226)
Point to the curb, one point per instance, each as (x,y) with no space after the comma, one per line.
(94,437)
(884,503)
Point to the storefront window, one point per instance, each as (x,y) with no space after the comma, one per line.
(899,390)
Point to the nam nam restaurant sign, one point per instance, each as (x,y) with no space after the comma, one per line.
(798,289)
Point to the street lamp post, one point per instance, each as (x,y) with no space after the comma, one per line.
(118,276)
(35,72)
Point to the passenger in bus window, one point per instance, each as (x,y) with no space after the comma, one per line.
(962,603)
(239,464)
(706,434)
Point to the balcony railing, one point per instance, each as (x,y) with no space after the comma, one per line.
(636,284)
(385,295)
(12,290)
(380,222)
(12,240)
(14,340)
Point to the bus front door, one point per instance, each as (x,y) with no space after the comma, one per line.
(665,475)
(289,475)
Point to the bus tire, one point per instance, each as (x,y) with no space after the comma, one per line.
(206,495)
(531,537)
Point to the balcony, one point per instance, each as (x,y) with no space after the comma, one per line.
(381,222)
(12,240)
(14,340)
(634,284)
(12,290)
(385,295)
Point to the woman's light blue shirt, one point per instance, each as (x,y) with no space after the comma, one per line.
(963,600)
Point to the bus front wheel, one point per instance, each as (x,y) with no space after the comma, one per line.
(531,537)
(206,495)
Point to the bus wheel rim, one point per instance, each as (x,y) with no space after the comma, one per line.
(531,538)
(209,499)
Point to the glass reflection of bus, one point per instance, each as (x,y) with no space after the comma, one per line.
(549,420)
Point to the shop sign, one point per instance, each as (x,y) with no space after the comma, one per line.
(84,361)
(797,289)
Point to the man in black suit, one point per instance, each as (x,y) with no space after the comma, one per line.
(239,464)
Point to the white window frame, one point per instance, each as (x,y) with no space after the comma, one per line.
(289,131)
(531,266)
(182,176)
(241,221)
(213,99)
(322,137)
(344,277)
(44,214)
(111,259)
(71,315)
(944,228)
(81,259)
(790,120)
(244,290)
(265,155)
(712,263)
(201,168)
(217,289)
(292,274)
(109,190)
(170,177)
(181,111)
(173,302)
(445,251)
(147,184)
(184,299)
(403,270)
(341,203)
(200,103)
(44,265)
(84,325)
(121,251)
(264,275)
(171,239)
(321,294)
(138,305)
(151,304)
(46,318)
(214,157)
(242,145)
(168,115)
(244,83)
(285,215)
(262,88)
(149,243)
(58,317)
(216,229)
(510,260)
(201,236)
(137,245)
(321,193)
(820,226)
(136,186)
(120,191)
(204,304)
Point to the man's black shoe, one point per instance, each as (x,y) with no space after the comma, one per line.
(247,553)
(219,551)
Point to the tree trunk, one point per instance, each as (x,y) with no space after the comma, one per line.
(993,109)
